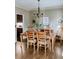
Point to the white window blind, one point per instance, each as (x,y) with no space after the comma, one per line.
(45,20)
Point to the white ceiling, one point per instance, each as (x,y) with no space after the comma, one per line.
(33,4)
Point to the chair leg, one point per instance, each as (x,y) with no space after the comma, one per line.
(34,47)
(53,47)
(50,46)
(21,40)
(37,47)
(27,45)
(45,48)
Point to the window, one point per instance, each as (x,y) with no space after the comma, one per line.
(45,21)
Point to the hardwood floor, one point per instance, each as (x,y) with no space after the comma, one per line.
(24,53)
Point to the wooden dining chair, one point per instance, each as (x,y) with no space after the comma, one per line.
(23,37)
(31,39)
(53,37)
(42,40)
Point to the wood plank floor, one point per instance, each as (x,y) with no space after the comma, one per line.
(24,53)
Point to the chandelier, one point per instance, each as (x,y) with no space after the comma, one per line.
(38,14)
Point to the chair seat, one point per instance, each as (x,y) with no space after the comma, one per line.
(43,43)
(32,41)
(24,37)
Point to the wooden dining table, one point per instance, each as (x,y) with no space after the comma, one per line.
(51,37)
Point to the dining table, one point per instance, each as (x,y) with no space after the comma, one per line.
(51,37)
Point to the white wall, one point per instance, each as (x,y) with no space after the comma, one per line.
(53,15)
(26,17)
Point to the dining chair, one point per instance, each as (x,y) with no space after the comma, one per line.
(42,40)
(31,39)
(23,37)
(48,31)
(53,37)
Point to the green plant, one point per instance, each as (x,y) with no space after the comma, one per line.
(37,25)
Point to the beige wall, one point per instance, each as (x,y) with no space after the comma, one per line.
(25,17)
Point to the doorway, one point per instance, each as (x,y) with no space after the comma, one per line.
(19,26)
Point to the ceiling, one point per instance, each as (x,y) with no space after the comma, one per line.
(33,4)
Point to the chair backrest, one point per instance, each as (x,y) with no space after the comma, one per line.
(47,31)
(41,36)
(30,35)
